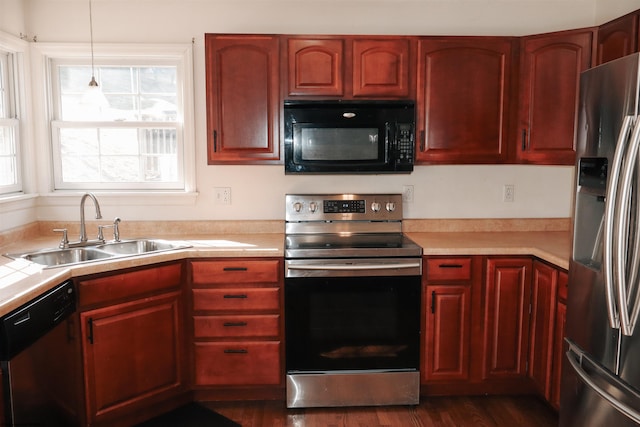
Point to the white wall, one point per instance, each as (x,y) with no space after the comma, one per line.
(12,17)
(258,191)
(606,10)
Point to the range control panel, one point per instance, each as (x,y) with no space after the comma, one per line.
(341,207)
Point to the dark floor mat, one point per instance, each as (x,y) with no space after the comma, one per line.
(190,415)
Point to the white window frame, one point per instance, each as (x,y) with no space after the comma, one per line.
(13,51)
(49,54)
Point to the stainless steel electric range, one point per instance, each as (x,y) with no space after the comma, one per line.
(352,302)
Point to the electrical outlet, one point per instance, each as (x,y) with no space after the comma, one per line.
(407,193)
(509,193)
(222,195)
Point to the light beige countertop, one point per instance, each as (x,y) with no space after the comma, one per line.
(21,281)
(551,246)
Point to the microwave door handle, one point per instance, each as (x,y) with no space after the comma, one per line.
(387,137)
(609,215)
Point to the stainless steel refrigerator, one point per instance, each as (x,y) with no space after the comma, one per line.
(601,371)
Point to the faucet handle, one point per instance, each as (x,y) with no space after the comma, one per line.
(116,230)
(64,243)
(101,232)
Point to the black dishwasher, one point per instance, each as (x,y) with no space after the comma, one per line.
(36,354)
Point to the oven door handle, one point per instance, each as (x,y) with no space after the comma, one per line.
(352,267)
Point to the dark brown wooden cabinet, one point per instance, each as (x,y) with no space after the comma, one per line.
(315,66)
(463,99)
(243,98)
(558,338)
(543,318)
(237,325)
(133,343)
(549,90)
(617,38)
(447,301)
(506,318)
(349,67)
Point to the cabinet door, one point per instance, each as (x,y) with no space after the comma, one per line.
(506,317)
(558,356)
(543,313)
(549,92)
(133,355)
(618,38)
(315,66)
(381,67)
(463,100)
(447,344)
(558,339)
(243,103)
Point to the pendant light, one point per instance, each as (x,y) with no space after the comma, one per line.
(93,96)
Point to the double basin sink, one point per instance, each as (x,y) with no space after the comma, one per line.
(98,252)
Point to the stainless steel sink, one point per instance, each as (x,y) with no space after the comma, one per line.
(55,257)
(137,247)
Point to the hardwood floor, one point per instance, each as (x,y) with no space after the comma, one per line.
(477,411)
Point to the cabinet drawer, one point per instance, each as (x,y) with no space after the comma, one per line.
(439,269)
(563,285)
(237,363)
(127,285)
(236,271)
(236,299)
(267,325)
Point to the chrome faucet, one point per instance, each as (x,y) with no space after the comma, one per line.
(83,229)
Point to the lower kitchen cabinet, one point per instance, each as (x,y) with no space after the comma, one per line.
(506,317)
(133,343)
(476,325)
(558,338)
(237,327)
(447,295)
(237,363)
(543,316)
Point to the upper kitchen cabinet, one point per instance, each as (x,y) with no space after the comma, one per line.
(617,38)
(549,89)
(243,103)
(348,67)
(464,90)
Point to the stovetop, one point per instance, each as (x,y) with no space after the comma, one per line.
(346,225)
(354,245)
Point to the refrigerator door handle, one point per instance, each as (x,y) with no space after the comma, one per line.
(621,238)
(609,218)
(577,358)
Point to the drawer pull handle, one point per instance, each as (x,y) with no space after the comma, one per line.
(236,296)
(235,269)
(236,351)
(235,323)
(450,266)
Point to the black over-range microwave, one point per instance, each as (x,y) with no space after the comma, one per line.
(349,136)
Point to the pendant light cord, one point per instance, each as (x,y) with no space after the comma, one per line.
(93,81)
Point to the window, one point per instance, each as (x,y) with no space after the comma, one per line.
(10,176)
(128,135)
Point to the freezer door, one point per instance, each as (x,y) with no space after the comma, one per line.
(597,397)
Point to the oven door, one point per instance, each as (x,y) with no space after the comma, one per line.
(352,323)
